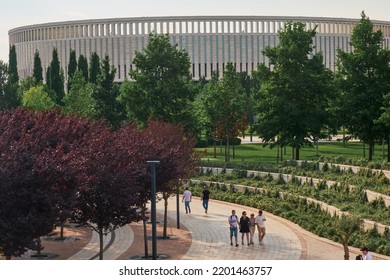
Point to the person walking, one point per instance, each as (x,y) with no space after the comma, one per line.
(233,227)
(187,197)
(252,227)
(365,255)
(244,228)
(260,219)
(205,198)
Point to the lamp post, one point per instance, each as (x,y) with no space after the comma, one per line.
(152,164)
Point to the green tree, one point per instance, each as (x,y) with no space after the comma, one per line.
(94,68)
(79,101)
(82,65)
(38,71)
(160,86)
(363,77)
(9,96)
(72,67)
(105,95)
(13,66)
(345,226)
(37,98)
(225,104)
(293,96)
(55,79)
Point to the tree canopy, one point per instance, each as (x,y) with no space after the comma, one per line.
(292,100)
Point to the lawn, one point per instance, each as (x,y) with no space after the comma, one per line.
(256,153)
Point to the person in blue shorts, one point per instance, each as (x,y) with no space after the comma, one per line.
(233,227)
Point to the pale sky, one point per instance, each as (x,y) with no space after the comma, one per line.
(25,12)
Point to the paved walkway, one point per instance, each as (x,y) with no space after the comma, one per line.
(209,238)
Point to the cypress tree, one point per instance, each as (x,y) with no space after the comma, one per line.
(38,71)
(72,67)
(82,65)
(13,76)
(56,81)
(94,68)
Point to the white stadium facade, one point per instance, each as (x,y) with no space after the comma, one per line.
(211,41)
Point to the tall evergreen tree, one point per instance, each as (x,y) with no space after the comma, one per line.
(38,71)
(55,81)
(94,68)
(106,93)
(82,65)
(13,76)
(72,67)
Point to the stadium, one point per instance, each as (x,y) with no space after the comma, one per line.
(211,41)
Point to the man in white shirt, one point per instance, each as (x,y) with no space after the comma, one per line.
(259,221)
(187,197)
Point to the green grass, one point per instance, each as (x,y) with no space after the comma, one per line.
(256,153)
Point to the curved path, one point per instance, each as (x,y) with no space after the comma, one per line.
(209,232)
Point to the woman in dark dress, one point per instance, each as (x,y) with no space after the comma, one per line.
(244,228)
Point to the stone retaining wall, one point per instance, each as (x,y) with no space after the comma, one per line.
(332,210)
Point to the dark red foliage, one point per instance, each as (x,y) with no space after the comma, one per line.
(174,149)
(37,181)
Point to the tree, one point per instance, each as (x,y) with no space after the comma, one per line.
(13,66)
(94,68)
(112,173)
(79,101)
(345,226)
(105,95)
(9,82)
(175,150)
(55,79)
(82,65)
(38,71)
(37,98)
(225,104)
(38,184)
(363,77)
(72,67)
(160,86)
(293,96)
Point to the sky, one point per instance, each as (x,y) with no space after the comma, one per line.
(25,12)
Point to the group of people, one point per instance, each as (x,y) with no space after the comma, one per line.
(247,227)
(187,197)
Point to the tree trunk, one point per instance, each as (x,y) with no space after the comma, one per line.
(292,153)
(100,244)
(383,149)
(371,150)
(364,150)
(388,149)
(62,231)
(215,148)
(165,197)
(281,153)
(227,149)
(277,154)
(39,251)
(346,250)
(297,153)
(344,137)
(145,241)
